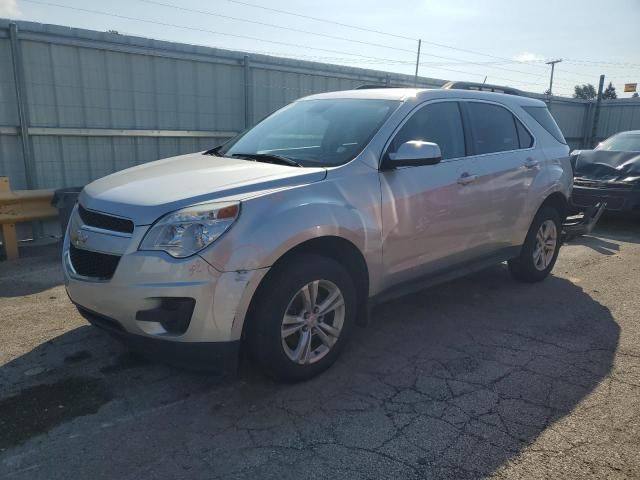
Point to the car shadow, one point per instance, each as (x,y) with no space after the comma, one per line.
(454,381)
(595,242)
(611,229)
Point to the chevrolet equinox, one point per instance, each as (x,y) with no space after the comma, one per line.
(284,237)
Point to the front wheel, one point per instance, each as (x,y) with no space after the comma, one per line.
(540,249)
(302,317)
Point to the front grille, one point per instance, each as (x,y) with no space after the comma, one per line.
(106,222)
(93,264)
(581,182)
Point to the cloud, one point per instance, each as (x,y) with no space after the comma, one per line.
(9,8)
(529,57)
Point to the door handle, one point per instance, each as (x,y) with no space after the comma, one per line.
(466,178)
(531,163)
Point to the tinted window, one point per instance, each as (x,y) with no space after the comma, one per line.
(492,127)
(440,123)
(544,118)
(524,137)
(315,133)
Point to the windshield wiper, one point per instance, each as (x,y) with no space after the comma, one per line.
(214,151)
(268,158)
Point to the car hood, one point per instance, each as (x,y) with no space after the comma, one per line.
(606,166)
(146,192)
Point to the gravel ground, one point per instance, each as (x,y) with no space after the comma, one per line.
(481,377)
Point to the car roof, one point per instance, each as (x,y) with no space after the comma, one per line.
(422,94)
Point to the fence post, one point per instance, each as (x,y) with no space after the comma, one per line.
(585,125)
(596,113)
(248,98)
(23,114)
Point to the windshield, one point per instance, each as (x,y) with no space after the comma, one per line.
(624,142)
(318,133)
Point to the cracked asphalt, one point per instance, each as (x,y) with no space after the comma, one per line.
(481,377)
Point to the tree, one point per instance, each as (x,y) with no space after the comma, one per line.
(609,92)
(635,95)
(585,92)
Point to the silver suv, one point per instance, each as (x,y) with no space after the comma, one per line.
(284,237)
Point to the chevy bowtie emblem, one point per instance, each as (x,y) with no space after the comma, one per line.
(79,237)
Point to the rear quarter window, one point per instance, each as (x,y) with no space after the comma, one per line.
(546,121)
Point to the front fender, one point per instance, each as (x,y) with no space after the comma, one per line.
(273,224)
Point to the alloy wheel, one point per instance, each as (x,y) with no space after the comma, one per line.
(545,247)
(313,322)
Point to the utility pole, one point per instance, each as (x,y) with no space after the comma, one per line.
(415,78)
(553,64)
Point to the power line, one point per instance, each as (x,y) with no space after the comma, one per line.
(379,32)
(214,32)
(599,62)
(291,29)
(317,19)
(335,37)
(193,28)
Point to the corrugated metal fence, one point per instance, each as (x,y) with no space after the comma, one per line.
(77,104)
(98,102)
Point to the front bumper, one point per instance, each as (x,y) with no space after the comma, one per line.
(139,283)
(219,357)
(622,200)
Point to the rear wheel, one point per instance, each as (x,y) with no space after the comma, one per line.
(302,317)
(540,249)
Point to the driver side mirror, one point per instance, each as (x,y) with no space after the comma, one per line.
(413,154)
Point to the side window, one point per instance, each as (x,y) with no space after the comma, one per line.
(440,123)
(492,127)
(524,137)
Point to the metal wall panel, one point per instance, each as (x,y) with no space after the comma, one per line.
(616,116)
(81,79)
(11,159)
(75,161)
(8,105)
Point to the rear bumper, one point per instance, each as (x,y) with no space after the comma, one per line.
(616,199)
(217,357)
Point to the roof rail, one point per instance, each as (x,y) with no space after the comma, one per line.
(482,87)
(371,86)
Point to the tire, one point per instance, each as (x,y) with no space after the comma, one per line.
(278,345)
(528,266)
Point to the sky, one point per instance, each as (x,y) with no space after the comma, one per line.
(507,41)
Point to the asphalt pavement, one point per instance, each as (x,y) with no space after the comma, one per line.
(480,377)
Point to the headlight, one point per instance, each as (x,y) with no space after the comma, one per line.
(191,229)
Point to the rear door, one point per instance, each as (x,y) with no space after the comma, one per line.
(503,146)
(433,216)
